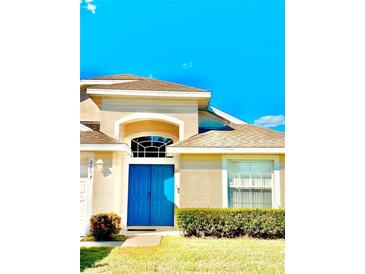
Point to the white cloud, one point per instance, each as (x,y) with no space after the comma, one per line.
(187,65)
(87,5)
(91,7)
(270,121)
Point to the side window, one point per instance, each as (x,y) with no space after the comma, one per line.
(250,184)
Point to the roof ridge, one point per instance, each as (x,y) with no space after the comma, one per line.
(115,75)
(193,137)
(260,127)
(138,77)
(169,82)
(250,136)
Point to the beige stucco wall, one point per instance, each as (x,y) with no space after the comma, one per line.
(200,181)
(108,185)
(102,184)
(282,180)
(89,111)
(113,109)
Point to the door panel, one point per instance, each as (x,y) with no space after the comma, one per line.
(162,195)
(138,195)
(151,195)
(84,196)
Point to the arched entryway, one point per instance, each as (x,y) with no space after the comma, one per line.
(148,124)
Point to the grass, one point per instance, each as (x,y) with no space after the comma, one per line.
(188,255)
(90,238)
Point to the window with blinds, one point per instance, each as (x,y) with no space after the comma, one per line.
(250,184)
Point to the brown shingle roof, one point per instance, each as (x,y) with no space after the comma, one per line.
(240,136)
(142,83)
(96,137)
(117,77)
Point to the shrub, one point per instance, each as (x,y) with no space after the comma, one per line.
(231,222)
(104,225)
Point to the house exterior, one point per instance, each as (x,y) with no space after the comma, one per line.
(148,147)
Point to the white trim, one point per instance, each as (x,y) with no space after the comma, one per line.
(104,82)
(177,185)
(227,116)
(223,150)
(151,161)
(276,203)
(148,116)
(84,128)
(149,93)
(224,182)
(125,176)
(88,181)
(106,147)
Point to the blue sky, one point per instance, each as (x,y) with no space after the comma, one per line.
(235,49)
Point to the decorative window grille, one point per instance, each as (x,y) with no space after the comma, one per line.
(250,184)
(150,146)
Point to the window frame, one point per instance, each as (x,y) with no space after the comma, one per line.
(276,203)
(145,151)
(231,161)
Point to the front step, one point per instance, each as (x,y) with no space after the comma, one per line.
(141,229)
(149,228)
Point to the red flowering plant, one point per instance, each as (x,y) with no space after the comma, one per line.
(104,225)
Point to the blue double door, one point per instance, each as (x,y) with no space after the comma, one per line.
(151,195)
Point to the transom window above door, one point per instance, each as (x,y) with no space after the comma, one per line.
(250,184)
(150,146)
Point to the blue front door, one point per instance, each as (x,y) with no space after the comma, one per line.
(151,195)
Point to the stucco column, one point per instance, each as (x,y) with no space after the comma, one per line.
(117,183)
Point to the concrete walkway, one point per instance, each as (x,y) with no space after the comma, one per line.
(137,238)
(99,244)
(132,241)
(170,232)
(142,241)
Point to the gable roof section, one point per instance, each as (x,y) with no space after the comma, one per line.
(96,137)
(133,86)
(149,84)
(238,136)
(91,140)
(142,83)
(125,76)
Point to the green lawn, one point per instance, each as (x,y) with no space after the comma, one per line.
(89,238)
(188,255)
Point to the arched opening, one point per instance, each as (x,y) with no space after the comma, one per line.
(148,128)
(148,124)
(150,146)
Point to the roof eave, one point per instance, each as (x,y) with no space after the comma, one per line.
(203,97)
(224,150)
(149,93)
(124,148)
(227,116)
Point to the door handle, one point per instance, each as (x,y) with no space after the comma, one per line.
(149,195)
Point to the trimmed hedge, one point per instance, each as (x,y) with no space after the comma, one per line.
(104,225)
(231,222)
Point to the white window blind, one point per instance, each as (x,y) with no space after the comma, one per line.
(250,184)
